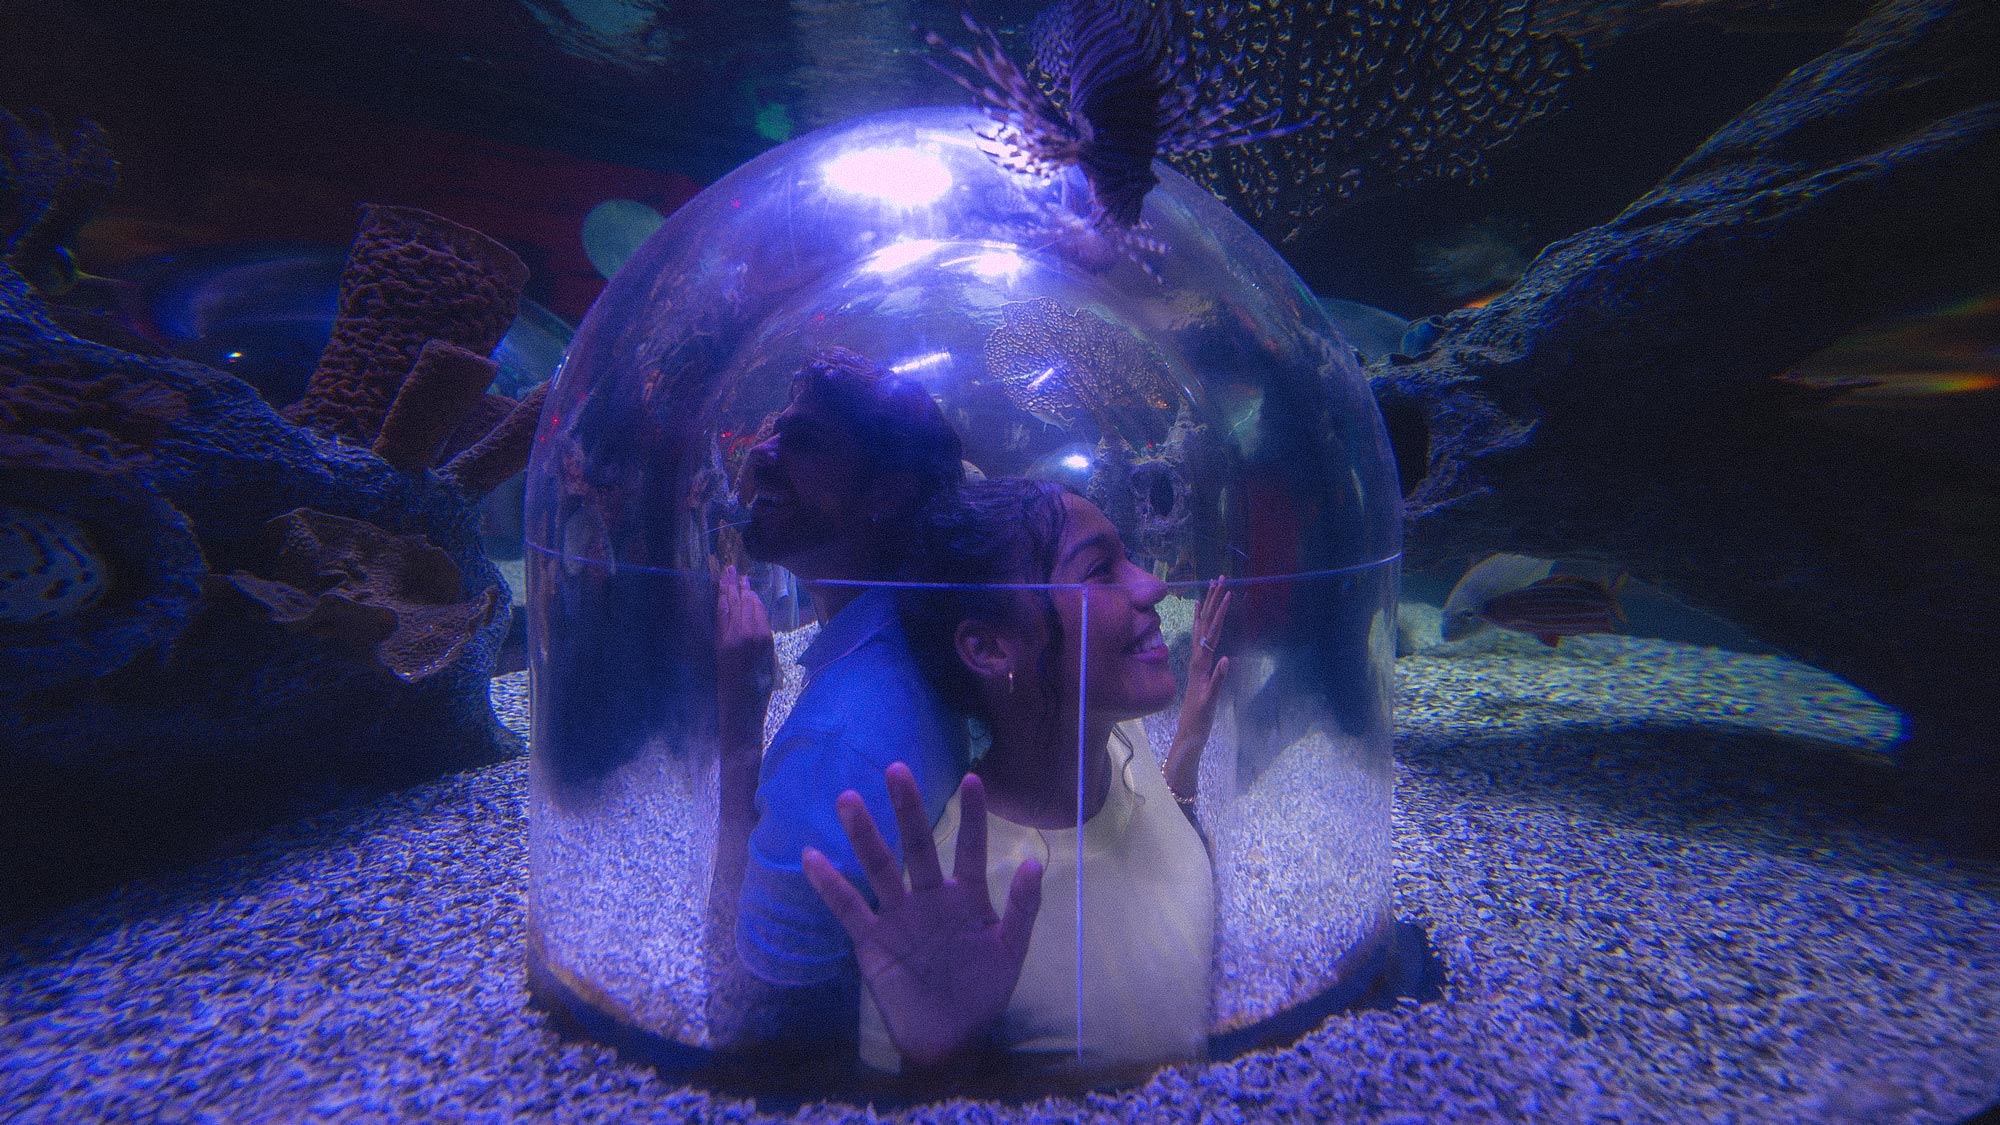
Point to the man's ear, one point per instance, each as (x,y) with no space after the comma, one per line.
(892,494)
(990,652)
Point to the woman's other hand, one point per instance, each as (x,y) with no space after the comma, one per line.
(939,963)
(1206,670)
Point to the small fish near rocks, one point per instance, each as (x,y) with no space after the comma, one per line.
(1521,593)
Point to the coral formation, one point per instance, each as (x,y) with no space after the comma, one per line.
(49,568)
(445,383)
(282,618)
(411,278)
(1155,493)
(502,452)
(393,597)
(1395,92)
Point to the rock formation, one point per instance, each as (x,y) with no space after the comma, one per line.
(1620,404)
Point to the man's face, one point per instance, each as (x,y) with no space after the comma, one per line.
(805,488)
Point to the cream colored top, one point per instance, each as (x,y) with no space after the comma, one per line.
(1148,906)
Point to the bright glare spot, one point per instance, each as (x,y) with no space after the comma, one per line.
(901,176)
(921,362)
(992,263)
(1042,376)
(956,139)
(897,255)
(233,356)
(1076,462)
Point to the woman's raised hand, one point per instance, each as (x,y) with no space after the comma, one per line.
(939,963)
(1206,670)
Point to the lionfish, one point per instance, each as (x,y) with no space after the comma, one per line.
(1379,94)
(1126,90)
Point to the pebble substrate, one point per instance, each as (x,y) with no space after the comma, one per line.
(1658,881)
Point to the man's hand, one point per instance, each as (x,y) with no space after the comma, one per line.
(745,663)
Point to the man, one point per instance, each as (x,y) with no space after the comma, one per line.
(833,493)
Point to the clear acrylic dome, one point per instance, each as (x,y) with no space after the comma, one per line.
(1185,382)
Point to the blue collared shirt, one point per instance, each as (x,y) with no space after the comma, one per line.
(866,704)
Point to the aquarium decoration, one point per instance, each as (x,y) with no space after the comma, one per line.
(1192,391)
(219,617)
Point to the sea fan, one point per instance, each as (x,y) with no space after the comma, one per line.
(1398,91)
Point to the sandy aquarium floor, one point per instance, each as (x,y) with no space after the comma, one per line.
(1654,874)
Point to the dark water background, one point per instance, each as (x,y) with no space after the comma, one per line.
(246,125)
(239,121)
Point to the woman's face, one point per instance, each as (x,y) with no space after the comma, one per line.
(1125,661)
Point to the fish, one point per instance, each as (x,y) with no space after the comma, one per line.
(1561,605)
(50,189)
(1946,349)
(1519,593)
(1123,89)
(1371,332)
(1485,580)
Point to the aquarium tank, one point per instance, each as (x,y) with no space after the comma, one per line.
(912,560)
(1190,389)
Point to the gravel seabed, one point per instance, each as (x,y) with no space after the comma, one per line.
(1654,875)
(1301,862)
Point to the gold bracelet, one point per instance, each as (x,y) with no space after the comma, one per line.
(1184,802)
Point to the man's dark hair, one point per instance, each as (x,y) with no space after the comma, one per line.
(899,425)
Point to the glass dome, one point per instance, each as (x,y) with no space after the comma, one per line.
(1183,381)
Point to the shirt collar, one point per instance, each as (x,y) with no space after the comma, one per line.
(855,625)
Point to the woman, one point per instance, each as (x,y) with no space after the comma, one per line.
(955,984)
